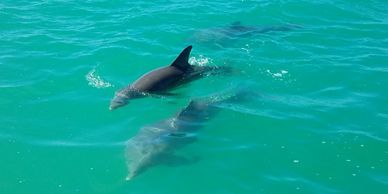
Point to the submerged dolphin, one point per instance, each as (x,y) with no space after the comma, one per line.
(159,81)
(156,143)
(219,35)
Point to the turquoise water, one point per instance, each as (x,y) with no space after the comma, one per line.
(319,125)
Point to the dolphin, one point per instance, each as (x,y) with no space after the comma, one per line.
(156,143)
(159,81)
(218,35)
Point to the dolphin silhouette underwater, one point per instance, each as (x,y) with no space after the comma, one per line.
(156,143)
(220,35)
(160,80)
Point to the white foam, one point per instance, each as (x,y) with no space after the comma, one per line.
(201,61)
(279,74)
(96,81)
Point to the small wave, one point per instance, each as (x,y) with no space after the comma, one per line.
(61,143)
(237,148)
(379,178)
(301,183)
(251,111)
(28,140)
(362,133)
(96,81)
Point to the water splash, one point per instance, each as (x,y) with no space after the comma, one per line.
(95,80)
(201,61)
(278,75)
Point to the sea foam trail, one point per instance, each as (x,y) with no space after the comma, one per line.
(96,81)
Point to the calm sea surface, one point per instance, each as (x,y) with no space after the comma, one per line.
(320,124)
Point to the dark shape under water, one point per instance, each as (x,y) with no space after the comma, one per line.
(159,81)
(219,35)
(157,143)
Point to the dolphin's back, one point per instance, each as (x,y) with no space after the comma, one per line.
(165,77)
(158,79)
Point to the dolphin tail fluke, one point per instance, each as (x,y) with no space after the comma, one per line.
(182,61)
(236,23)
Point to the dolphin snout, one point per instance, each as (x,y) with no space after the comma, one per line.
(128,178)
(114,106)
(117,102)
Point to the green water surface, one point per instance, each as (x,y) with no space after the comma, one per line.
(320,124)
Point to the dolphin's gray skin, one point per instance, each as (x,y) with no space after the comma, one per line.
(156,143)
(220,35)
(159,81)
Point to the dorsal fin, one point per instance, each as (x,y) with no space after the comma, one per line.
(182,61)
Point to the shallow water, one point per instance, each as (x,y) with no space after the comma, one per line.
(319,125)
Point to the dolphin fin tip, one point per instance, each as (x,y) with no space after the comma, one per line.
(182,61)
